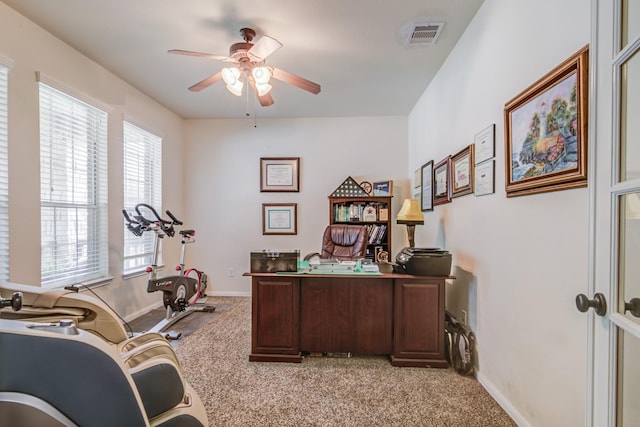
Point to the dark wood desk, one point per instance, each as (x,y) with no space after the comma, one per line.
(392,314)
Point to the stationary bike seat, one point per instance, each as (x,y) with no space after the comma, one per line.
(187,232)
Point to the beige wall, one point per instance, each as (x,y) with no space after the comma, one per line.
(222,183)
(521,261)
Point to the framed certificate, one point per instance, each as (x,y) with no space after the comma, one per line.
(485,144)
(279,218)
(426,193)
(441,183)
(280,174)
(484,178)
(462,172)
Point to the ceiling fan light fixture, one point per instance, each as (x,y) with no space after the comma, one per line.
(236,88)
(263,88)
(261,75)
(231,75)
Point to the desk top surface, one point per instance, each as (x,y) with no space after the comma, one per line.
(346,275)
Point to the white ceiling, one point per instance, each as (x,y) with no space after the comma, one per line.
(353,48)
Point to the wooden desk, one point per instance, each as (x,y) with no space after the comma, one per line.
(392,314)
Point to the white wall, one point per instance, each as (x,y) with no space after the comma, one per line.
(222,183)
(519,262)
(32,49)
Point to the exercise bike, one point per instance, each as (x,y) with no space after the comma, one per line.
(182,294)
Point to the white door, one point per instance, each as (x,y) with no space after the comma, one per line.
(614,354)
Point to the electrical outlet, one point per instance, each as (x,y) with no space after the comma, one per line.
(463,318)
(231,272)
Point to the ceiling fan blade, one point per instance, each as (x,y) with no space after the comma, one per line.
(201,54)
(205,83)
(265,100)
(297,81)
(264,47)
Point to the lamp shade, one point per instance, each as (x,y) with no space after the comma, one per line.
(261,75)
(230,75)
(410,213)
(263,88)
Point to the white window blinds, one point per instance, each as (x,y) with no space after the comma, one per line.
(73,189)
(4,176)
(142,184)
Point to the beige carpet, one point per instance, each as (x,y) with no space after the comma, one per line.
(321,391)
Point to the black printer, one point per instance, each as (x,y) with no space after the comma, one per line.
(423,262)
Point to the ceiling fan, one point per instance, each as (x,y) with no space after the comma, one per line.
(249,67)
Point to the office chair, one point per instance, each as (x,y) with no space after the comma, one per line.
(343,242)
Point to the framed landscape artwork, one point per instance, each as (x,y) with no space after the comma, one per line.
(546,131)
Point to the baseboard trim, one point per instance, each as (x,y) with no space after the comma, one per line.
(231,294)
(153,306)
(502,401)
(142,311)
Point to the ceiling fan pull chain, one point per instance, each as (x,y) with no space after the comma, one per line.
(247,100)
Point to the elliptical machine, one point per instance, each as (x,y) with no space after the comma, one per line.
(182,294)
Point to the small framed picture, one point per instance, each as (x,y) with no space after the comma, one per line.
(462,172)
(485,178)
(279,218)
(441,182)
(485,144)
(426,194)
(280,174)
(383,188)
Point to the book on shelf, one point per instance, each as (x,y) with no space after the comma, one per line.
(376,233)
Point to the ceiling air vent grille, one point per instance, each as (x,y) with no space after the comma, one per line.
(424,33)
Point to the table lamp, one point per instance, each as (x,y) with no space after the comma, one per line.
(410,215)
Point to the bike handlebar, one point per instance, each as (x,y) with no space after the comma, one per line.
(175,220)
(140,223)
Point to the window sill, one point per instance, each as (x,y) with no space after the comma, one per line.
(137,273)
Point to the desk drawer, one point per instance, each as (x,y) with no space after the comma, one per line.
(345,315)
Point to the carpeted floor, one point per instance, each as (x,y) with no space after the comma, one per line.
(321,391)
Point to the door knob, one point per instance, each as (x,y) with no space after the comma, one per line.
(599,303)
(633,306)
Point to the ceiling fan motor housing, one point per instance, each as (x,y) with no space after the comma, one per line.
(238,51)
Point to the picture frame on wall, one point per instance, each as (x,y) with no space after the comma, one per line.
(426,188)
(484,178)
(462,172)
(441,182)
(280,174)
(279,218)
(546,131)
(383,188)
(485,144)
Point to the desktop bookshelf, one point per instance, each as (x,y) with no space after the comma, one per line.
(359,210)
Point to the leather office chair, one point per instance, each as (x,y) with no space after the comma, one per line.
(344,242)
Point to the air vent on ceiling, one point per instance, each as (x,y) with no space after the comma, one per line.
(424,33)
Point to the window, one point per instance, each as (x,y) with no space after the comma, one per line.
(73,189)
(5,65)
(142,184)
